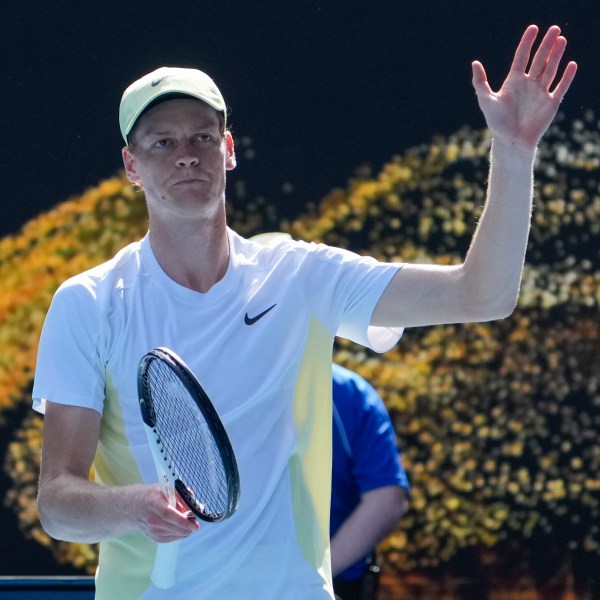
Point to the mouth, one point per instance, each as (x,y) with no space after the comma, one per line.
(189,181)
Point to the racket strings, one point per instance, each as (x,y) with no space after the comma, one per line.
(189,441)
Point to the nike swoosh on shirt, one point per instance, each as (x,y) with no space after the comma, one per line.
(251,320)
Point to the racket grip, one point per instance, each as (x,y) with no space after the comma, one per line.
(165,564)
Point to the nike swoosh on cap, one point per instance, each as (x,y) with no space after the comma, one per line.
(251,320)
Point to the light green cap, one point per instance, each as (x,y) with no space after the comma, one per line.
(167,80)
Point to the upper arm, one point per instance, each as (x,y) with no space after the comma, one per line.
(70,437)
(370,432)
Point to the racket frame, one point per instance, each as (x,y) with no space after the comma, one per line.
(160,453)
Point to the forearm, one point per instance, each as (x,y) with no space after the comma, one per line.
(77,510)
(375,517)
(494,263)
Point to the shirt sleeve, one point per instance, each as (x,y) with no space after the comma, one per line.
(69,369)
(344,289)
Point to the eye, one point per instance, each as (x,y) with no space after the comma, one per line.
(203,138)
(161,143)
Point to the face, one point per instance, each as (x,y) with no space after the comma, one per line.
(180,158)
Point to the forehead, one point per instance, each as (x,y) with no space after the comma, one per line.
(176,113)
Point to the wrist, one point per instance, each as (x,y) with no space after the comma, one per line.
(512,151)
(134,498)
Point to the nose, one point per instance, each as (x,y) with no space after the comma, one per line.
(187,160)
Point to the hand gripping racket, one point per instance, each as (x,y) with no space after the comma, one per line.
(191,450)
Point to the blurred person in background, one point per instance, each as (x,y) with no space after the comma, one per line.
(369,487)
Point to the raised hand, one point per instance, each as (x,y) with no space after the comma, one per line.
(521,111)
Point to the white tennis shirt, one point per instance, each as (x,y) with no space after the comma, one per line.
(260,341)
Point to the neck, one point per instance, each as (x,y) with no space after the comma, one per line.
(195,256)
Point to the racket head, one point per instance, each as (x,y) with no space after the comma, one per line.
(192,438)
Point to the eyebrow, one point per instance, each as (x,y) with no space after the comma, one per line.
(145,131)
(154,132)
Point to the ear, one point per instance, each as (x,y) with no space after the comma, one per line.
(129,164)
(230,162)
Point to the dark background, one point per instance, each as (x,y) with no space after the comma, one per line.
(320,87)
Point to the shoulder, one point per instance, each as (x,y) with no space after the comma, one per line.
(353,385)
(356,400)
(93,284)
(277,245)
(265,247)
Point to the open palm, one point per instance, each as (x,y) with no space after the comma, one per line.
(521,111)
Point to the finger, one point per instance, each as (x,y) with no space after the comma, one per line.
(181,522)
(563,85)
(183,508)
(523,50)
(540,60)
(480,82)
(553,62)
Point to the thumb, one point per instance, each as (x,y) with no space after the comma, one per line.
(480,82)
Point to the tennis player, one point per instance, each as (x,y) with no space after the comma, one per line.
(256,324)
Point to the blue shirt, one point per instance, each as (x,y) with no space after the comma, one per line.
(365,454)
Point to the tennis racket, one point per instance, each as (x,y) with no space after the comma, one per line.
(191,450)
